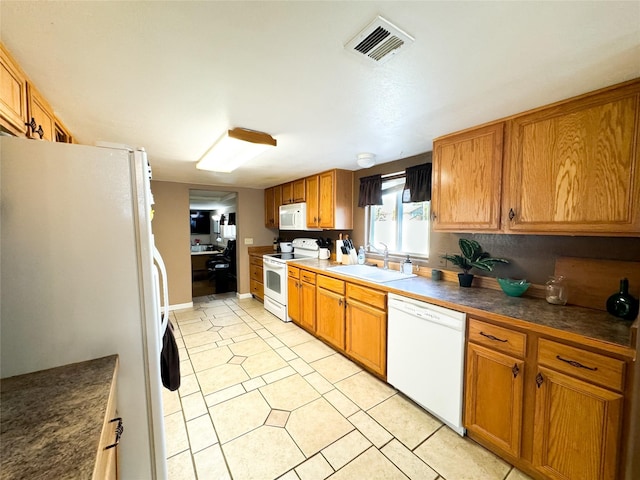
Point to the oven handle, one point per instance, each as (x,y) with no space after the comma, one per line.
(274,265)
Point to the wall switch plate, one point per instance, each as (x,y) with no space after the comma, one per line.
(248,241)
(442,262)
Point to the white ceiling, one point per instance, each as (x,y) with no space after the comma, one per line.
(173,76)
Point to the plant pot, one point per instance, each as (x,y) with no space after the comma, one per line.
(465,279)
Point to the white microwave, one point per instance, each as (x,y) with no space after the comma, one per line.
(293,216)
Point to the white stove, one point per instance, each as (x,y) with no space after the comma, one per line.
(275,275)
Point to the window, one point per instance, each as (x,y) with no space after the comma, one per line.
(403,227)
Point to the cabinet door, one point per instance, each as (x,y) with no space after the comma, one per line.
(293,297)
(308,306)
(326,203)
(366,331)
(287,193)
(299,191)
(467,175)
(493,404)
(62,135)
(576,428)
(268,207)
(573,168)
(330,317)
(313,214)
(42,113)
(272,201)
(13,94)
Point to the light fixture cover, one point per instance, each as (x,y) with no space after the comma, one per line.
(366,160)
(234,148)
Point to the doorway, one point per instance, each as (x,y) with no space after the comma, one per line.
(212,216)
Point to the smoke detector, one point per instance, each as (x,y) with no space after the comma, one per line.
(379,41)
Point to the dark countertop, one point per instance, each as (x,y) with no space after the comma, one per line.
(574,320)
(51,420)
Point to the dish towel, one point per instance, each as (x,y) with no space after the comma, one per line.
(170,360)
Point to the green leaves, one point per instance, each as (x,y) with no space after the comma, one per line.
(473,257)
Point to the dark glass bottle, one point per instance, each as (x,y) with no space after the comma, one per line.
(622,304)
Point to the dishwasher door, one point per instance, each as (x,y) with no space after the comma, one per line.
(425,356)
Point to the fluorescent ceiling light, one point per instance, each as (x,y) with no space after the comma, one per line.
(235,148)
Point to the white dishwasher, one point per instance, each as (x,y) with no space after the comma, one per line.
(425,356)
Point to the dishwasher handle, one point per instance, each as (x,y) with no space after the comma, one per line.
(454,319)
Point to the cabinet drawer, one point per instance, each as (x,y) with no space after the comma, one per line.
(308,277)
(256,273)
(332,284)
(255,260)
(497,338)
(257,288)
(593,367)
(293,272)
(374,298)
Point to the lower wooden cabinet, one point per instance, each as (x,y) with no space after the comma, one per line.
(366,327)
(308,300)
(256,276)
(302,298)
(330,308)
(576,428)
(554,410)
(494,392)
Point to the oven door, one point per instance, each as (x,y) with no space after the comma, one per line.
(275,280)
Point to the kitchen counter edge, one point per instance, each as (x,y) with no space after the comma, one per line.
(51,420)
(586,326)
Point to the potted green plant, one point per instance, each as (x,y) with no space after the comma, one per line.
(472,257)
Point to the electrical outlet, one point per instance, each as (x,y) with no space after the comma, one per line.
(442,262)
(248,241)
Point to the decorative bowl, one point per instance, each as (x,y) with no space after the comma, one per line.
(513,288)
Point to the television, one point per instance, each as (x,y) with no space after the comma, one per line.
(200,222)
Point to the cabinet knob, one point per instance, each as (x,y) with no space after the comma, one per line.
(512,214)
(433,216)
(39,131)
(539,379)
(32,124)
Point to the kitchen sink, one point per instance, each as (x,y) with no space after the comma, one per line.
(371,274)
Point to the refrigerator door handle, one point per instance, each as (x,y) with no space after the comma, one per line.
(165,291)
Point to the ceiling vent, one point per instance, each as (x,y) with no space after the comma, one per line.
(379,41)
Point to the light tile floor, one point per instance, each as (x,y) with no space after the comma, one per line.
(262,399)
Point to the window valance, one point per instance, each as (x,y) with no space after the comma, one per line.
(370,191)
(417,184)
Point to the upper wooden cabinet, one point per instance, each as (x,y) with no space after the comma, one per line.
(467,173)
(573,168)
(272,202)
(293,192)
(330,200)
(23,110)
(62,135)
(13,95)
(570,168)
(41,117)
(328,195)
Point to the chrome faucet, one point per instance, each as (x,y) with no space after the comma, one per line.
(385,254)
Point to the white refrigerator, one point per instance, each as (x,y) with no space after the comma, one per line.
(79,277)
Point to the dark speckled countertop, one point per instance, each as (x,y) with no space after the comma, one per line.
(593,324)
(51,420)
